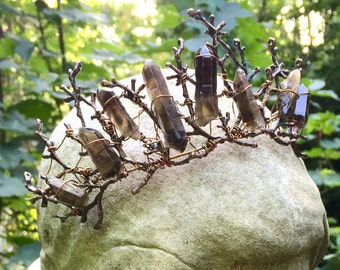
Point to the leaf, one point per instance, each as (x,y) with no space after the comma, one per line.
(18,203)
(77,15)
(326,172)
(37,64)
(332,154)
(315,152)
(26,253)
(7,47)
(109,46)
(24,49)
(317,85)
(43,83)
(229,13)
(15,122)
(183,5)
(171,17)
(12,155)
(331,179)
(35,108)
(59,95)
(335,231)
(315,105)
(91,70)
(130,58)
(4,64)
(332,262)
(194,44)
(254,41)
(9,9)
(330,144)
(325,94)
(49,53)
(318,152)
(213,6)
(316,176)
(104,54)
(11,186)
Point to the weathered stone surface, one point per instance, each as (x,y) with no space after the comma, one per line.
(238,208)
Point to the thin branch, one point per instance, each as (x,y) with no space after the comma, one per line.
(61,38)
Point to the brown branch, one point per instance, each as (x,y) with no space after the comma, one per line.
(262,11)
(2,132)
(61,39)
(43,37)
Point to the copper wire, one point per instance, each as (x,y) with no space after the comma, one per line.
(94,141)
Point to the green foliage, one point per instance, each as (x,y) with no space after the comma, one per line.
(38,43)
(324,127)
